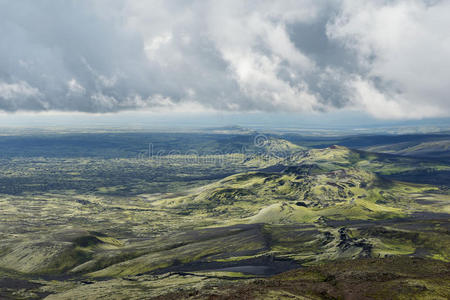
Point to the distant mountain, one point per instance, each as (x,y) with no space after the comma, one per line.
(439,149)
(432,145)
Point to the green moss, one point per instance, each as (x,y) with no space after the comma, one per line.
(67,260)
(390,247)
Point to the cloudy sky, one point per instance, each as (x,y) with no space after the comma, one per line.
(387,59)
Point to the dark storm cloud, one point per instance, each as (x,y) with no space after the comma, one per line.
(106,56)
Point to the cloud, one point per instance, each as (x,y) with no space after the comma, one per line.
(404,47)
(15,90)
(14,96)
(369,98)
(75,87)
(260,55)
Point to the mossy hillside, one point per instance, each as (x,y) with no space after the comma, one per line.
(305,193)
(389,241)
(248,241)
(158,226)
(337,157)
(307,244)
(55,256)
(301,194)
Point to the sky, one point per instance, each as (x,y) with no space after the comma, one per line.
(382,60)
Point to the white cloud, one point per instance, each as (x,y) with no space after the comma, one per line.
(159,104)
(10,91)
(20,95)
(154,44)
(367,97)
(404,46)
(104,102)
(75,87)
(389,58)
(253,40)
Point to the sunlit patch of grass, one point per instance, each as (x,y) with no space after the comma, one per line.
(389,247)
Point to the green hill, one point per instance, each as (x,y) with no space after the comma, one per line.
(296,208)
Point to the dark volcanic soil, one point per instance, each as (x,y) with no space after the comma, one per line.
(389,278)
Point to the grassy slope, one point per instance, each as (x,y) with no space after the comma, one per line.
(334,183)
(328,187)
(297,205)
